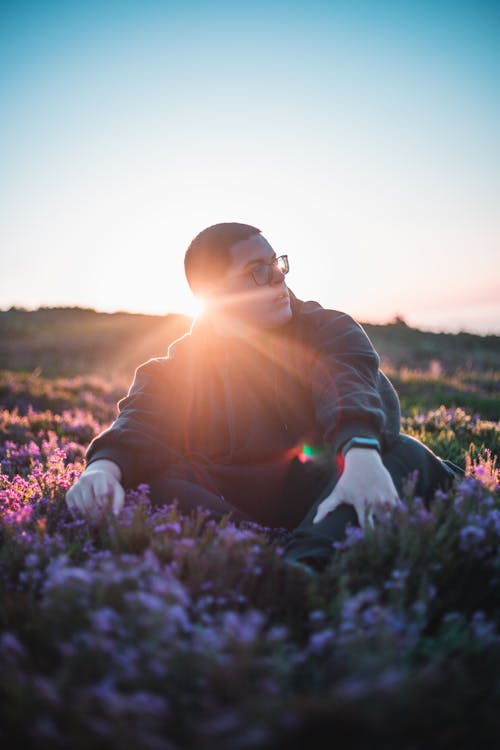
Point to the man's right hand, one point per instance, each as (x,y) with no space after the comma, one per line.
(97,488)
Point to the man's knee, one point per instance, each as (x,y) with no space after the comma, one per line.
(164,489)
(409,454)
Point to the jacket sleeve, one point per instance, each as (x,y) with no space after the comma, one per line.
(351,395)
(137,439)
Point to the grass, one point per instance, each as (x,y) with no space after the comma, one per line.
(162,630)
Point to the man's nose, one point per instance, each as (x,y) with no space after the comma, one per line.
(278,274)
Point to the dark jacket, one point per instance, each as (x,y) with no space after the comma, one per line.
(236,413)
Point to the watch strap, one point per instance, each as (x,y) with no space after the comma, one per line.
(360,442)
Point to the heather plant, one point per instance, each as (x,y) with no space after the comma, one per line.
(452,432)
(92,393)
(157,629)
(422,389)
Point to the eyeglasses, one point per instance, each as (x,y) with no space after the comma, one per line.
(263,272)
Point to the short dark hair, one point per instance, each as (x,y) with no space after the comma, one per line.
(207,257)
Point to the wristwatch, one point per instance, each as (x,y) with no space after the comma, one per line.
(360,442)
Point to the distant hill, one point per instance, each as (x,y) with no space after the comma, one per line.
(402,346)
(74,340)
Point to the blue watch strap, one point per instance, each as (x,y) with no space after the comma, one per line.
(360,442)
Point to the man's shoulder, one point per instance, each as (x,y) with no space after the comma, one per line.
(311,315)
(178,347)
(152,368)
(164,363)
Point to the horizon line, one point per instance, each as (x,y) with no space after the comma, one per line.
(397,319)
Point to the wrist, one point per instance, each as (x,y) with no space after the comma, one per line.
(360,443)
(105,464)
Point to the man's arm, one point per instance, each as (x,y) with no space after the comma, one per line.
(135,445)
(140,439)
(351,395)
(352,398)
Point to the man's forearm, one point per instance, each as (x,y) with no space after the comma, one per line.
(105,464)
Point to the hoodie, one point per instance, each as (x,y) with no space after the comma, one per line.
(235,414)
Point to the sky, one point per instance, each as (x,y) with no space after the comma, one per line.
(362,138)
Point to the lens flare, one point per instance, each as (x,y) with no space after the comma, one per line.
(197,307)
(306,453)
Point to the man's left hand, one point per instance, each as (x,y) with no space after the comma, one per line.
(364,484)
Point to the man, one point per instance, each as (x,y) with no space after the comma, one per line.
(271,408)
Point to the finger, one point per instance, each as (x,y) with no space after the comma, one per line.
(90,502)
(76,502)
(393,502)
(118,499)
(69,497)
(102,492)
(85,500)
(323,510)
(70,502)
(383,504)
(318,517)
(361,520)
(365,513)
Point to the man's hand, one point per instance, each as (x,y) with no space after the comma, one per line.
(364,483)
(97,488)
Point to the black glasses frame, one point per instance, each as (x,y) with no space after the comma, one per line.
(263,272)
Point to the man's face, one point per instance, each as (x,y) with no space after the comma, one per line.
(266,306)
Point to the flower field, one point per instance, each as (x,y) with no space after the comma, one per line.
(154,630)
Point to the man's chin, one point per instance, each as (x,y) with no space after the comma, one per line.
(279,317)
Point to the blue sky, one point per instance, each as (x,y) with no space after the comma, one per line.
(362,138)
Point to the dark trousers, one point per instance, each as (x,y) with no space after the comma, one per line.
(307,486)
(312,543)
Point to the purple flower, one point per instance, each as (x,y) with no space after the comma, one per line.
(389,679)
(353,534)
(397,579)
(277,634)
(10,647)
(318,641)
(244,628)
(353,687)
(470,536)
(317,615)
(105,620)
(173,526)
(492,519)
(483,628)
(46,690)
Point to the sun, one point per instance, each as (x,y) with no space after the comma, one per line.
(194,307)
